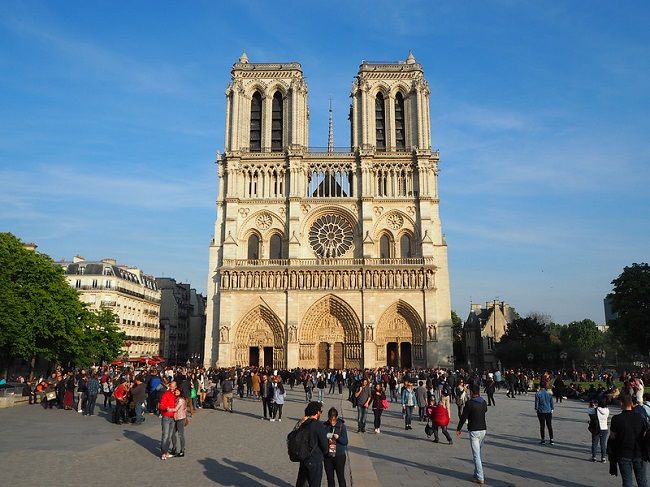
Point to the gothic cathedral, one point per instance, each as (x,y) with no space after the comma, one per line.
(328,257)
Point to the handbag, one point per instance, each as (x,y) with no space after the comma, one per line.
(50,396)
(428,429)
(385,404)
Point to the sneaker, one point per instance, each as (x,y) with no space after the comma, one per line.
(450,442)
(551,442)
(272,420)
(593,459)
(478,481)
(280,420)
(542,442)
(180,454)
(603,460)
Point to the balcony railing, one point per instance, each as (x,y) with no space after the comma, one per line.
(370,262)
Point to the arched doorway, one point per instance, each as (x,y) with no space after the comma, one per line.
(330,335)
(400,337)
(259,339)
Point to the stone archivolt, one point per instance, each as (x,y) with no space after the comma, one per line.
(260,327)
(401,323)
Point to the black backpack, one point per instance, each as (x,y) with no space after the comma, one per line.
(298,444)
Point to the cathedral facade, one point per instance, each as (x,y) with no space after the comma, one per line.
(328,258)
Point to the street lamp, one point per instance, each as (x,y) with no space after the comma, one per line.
(599,355)
(563,356)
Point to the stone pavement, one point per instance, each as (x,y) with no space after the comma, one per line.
(64,448)
(512,455)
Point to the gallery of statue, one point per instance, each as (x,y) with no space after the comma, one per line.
(328,257)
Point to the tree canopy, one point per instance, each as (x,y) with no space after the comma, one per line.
(41,315)
(630,301)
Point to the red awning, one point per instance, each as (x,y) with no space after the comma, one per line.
(117,362)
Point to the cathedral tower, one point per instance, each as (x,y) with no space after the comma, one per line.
(328,258)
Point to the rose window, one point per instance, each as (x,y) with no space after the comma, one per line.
(331,236)
(395,221)
(264,221)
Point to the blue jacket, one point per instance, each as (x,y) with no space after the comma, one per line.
(405,399)
(342,431)
(543,401)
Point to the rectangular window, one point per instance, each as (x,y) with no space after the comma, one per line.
(94,283)
(78,284)
(108,284)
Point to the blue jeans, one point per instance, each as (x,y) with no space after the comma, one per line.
(408,415)
(320,395)
(139,411)
(90,404)
(476,440)
(168,425)
(632,467)
(601,438)
(361,417)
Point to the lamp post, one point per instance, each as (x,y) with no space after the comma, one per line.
(450,360)
(599,355)
(563,356)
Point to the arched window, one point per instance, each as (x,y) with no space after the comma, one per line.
(380,122)
(384,247)
(400,132)
(253,247)
(405,247)
(256,123)
(276,123)
(275,247)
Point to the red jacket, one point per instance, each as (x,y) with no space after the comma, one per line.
(167,401)
(439,415)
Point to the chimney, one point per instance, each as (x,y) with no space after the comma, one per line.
(30,246)
(78,258)
(109,261)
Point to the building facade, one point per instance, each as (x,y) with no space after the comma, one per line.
(328,258)
(128,292)
(484,328)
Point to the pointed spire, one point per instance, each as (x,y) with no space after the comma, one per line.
(243,59)
(410,59)
(330,131)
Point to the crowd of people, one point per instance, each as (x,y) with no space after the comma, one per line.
(174,394)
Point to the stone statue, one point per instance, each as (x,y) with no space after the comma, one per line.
(293,334)
(369,333)
(433,333)
(223,334)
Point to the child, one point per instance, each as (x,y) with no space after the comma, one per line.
(439,416)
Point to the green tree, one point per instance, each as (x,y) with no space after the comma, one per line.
(581,338)
(631,303)
(41,315)
(100,338)
(526,336)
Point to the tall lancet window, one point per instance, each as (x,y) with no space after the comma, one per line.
(256,123)
(400,133)
(380,122)
(276,123)
(253,247)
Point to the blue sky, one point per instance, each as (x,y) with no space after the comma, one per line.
(110,119)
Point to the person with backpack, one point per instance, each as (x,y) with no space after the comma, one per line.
(337,437)
(626,444)
(308,444)
(439,417)
(598,415)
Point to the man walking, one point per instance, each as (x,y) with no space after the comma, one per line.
(310,472)
(421,395)
(544,408)
(626,437)
(92,391)
(267,396)
(363,400)
(474,413)
(227,388)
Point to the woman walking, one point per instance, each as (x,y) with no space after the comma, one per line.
(598,416)
(337,436)
(378,403)
(462,396)
(409,400)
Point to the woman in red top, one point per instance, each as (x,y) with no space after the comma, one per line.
(439,416)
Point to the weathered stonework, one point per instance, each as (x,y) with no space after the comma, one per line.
(328,259)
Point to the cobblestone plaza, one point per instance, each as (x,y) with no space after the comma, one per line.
(59,447)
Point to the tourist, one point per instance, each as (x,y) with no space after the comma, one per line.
(490,389)
(92,390)
(68,397)
(598,415)
(474,413)
(337,437)
(255,384)
(320,385)
(227,394)
(266,392)
(167,407)
(138,393)
(421,394)
(310,471)
(626,444)
(409,400)
(378,405)
(558,389)
(461,393)
(107,390)
(121,395)
(363,398)
(82,388)
(279,395)
(180,422)
(308,384)
(544,409)
(439,416)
